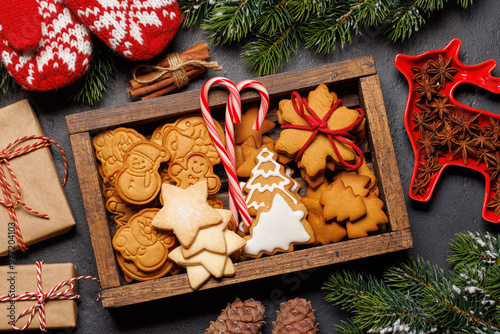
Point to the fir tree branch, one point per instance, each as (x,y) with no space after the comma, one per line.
(273,19)
(413,276)
(451,307)
(90,88)
(475,249)
(323,32)
(6,80)
(231,21)
(268,55)
(302,10)
(195,11)
(404,18)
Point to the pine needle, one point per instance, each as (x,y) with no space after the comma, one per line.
(90,88)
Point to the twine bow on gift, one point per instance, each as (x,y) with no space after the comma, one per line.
(42,297)
(12,195)
(317,124)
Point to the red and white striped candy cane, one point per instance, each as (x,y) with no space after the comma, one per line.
(233,114)
(236,199)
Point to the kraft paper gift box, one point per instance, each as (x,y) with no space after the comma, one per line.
(39,181)
(19,279)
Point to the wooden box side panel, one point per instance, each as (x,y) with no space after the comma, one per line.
(384,158)
(95,210)
(267,266)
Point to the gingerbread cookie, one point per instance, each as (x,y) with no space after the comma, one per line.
(121,210)
(244,129)
(267,178)
(374,217)
(190,134)
(278,228)
(325,232)
(341,203)
(211,255)
(192,169)
(131,271)
(138,241)
(138,181)
(316,147)
(110,148)
(186,211)
(358,183)
(249,149)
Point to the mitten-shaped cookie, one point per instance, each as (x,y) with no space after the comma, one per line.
(136,29)
(59,58)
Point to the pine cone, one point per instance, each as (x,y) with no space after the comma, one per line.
(239,318)
(295,316)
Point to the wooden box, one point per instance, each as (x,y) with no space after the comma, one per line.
(357,84)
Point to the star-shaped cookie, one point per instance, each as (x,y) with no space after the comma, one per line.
(200,266)
(185,211)
(210,238)
(244,129)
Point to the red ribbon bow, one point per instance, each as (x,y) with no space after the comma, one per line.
(12,195)
(317,124)
(42,297)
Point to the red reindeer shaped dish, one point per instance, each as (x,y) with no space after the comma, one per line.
(444,132)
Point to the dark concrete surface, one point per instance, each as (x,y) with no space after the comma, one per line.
(455,206)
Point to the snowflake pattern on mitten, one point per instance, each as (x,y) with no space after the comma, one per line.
(61,57)
(136,29)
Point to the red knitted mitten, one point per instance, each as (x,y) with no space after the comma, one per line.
(21,23)
(136,29)
(61,57)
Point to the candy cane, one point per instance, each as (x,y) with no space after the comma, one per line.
(236,198)
(233,115)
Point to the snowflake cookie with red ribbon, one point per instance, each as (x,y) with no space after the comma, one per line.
(319,132)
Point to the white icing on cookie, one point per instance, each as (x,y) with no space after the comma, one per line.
(258,172)
(277,229)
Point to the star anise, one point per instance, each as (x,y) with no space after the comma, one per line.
(495,186)
(484,155)
(493,129)
(442,70)
(494,169)
(420,122)
(435,126)
(418,187)
(494,204)
(427,90)
(428,167)
(428,143)
(440,106)
(464,148)
(466,124)
(481,140)
(421,73)
(448,137)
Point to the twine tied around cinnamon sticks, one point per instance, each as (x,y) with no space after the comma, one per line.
(173,72)
(12,194)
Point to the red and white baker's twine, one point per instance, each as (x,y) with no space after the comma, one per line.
(12,195)
(227,153)
(41,297)
(317,124)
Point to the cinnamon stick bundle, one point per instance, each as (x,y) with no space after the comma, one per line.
(154,80)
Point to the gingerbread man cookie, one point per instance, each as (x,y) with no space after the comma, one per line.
(192,169)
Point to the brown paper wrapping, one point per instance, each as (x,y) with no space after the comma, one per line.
(22,278)
(39,180)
